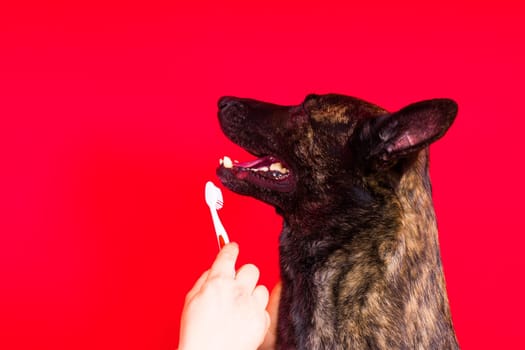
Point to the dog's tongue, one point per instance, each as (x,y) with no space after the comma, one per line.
(257,163)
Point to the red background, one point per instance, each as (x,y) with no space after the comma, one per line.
(108,133)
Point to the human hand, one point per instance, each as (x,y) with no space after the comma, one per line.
(225,309)
(273,309)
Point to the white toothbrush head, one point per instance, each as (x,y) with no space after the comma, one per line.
(214,201)
(213,196)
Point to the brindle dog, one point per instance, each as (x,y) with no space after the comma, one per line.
(359,253)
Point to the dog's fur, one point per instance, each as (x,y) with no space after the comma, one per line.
(359,255)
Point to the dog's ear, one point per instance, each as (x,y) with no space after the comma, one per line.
(409,130)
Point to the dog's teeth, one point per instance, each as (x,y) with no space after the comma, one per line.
(278,167)
(264,168)
(227,162)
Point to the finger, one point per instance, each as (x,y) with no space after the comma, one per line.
(247,277)
(268,321)
(261,296)
(198,285)
(269,340)
(272,311)
(273,303)
(224,264)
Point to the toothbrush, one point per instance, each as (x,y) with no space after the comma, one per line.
(214,200)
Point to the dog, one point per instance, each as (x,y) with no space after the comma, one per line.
(359,254)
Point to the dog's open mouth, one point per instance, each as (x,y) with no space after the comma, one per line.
(267,172)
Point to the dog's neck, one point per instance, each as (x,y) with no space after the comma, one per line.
(417,237)
(401,217)
(392,267)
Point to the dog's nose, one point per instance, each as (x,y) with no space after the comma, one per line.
(227,101)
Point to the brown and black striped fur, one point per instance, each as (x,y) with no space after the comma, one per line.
(359,253)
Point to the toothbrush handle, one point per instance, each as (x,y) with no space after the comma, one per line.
(222,236)
(222,243)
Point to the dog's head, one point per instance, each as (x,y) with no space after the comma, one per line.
(327,144)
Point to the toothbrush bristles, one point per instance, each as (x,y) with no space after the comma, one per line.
(214,200)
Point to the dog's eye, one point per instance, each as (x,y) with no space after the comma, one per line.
(311,99)
(311,102)
(298,115)
(311,96)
